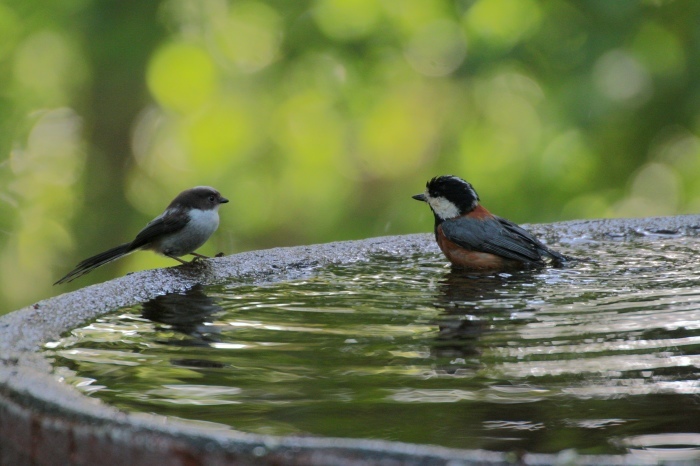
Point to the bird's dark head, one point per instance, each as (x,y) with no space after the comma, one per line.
(200,197)
(449,196)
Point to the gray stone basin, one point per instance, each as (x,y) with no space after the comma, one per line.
(44,421)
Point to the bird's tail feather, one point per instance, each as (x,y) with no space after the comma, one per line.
(96,261)
(559,258)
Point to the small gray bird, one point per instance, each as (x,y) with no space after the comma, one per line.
(187,223)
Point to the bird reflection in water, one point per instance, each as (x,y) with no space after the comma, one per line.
(471,301)
(186,312)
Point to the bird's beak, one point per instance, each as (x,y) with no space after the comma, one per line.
(222,200)
(420,197)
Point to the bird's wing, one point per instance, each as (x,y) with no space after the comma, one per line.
(167,223)
(541,247)
(496,236)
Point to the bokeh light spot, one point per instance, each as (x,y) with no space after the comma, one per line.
(398,132)
(347,19)
(503,23)
(310,137)
(320,71)
(568,162)
(219,134)
(680,149)
(410,16)
(488,153)
(159,148)
(437,49)
(659,50)
(182,77)
(250,36)
(586,206)
(45,170)
(53,154)
(508,100)
(655,190)
(621,78)
(46,64)
(306,123)
(9,30)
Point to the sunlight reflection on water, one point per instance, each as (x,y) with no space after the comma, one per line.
(604,354)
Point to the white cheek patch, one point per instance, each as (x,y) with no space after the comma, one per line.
(442,207)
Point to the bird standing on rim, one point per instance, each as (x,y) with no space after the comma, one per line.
(473,238)
(187,223)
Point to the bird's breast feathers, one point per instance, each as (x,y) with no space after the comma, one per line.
(201,225)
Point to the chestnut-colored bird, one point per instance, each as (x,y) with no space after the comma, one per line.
(473,238)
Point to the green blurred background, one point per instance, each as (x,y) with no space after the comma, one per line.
(319,119)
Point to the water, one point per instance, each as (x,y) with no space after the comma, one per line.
(600,357)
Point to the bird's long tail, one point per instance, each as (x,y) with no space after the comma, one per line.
(96,261)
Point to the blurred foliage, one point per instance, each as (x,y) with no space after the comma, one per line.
(320,118)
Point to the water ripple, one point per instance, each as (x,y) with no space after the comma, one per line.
(601,356)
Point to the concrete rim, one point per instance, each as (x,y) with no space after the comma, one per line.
(43,421)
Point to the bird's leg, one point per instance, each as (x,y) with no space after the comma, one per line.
(177,259)
(198,256)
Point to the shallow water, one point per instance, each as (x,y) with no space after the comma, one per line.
(601,357)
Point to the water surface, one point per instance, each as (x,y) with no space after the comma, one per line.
(601,357)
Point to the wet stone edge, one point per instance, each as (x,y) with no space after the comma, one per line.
(43,421)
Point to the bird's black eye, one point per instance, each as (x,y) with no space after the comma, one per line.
(212,198)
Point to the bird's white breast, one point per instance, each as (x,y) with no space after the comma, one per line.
(202,224)
(204,221)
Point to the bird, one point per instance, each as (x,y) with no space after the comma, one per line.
(185,225)
(473,238)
